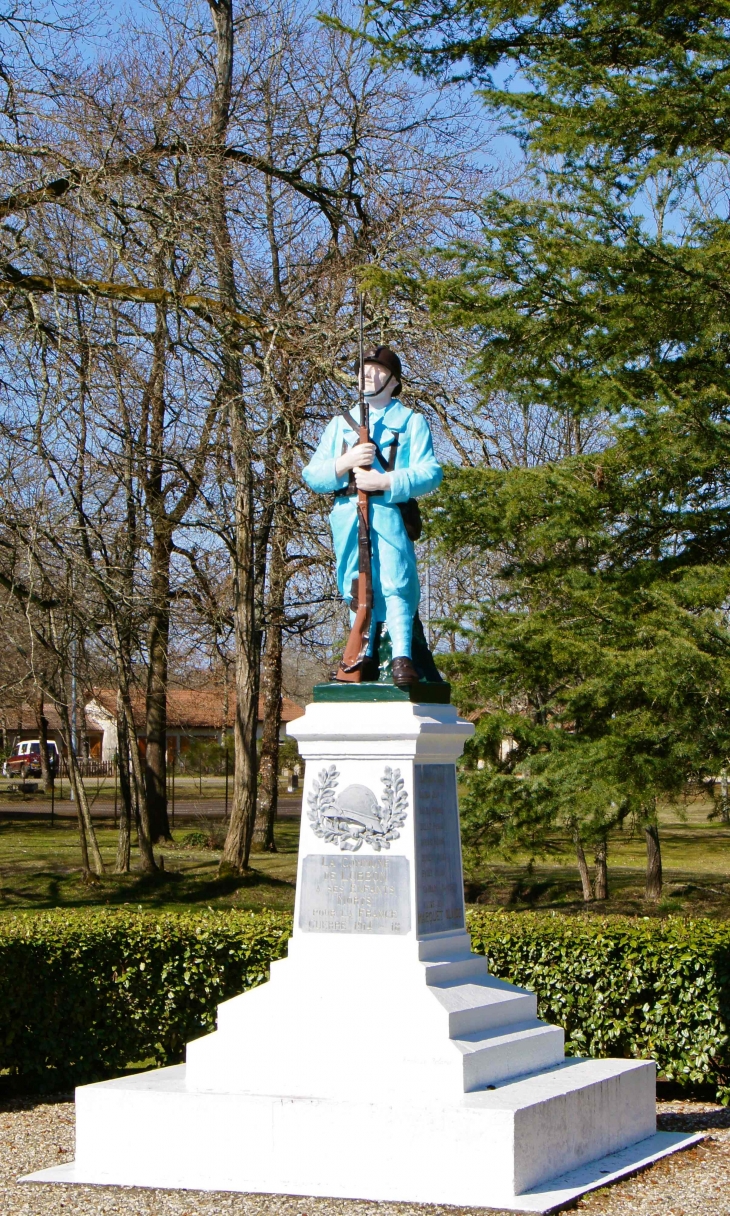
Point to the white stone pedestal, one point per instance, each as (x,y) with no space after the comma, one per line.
(381,1061)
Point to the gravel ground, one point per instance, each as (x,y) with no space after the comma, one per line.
(36,1134)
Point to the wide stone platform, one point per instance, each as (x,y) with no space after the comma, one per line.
(382,1060)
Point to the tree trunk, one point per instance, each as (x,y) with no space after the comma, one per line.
(156,705)
(42,725)
(124,843)
(82,837)
(234,859)
(243,813)
(159,623)
(263,834)
(585,878)
(653,862)
(142,819)
(724,805)
(143,826)
(83,731)
(600,885)
(82,804)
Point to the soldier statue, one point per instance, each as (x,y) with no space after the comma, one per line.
(393,468)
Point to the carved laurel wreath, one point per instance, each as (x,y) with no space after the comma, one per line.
(329,824)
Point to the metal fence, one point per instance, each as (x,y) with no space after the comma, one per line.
(91,767)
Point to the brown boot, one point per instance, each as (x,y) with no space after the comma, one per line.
(404,673)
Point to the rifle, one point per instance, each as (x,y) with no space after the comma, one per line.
(355,654)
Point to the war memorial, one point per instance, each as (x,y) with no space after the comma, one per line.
(381,1061)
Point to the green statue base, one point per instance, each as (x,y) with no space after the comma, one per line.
(423,693)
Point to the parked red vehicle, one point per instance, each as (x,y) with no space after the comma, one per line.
(25,760)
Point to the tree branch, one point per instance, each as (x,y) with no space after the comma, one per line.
(15,280)
(325,196)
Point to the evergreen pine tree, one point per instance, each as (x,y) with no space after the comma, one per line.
(601,293)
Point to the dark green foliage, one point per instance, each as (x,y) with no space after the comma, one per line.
(598,296)
(648,78)
(615,563)
(620,987)
(288,753)
(195,840)
(585,307)
(85,994)
(608,668)
(205,756)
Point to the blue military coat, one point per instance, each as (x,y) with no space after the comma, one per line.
(416,472)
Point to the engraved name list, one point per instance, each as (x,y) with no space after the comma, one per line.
(439,883)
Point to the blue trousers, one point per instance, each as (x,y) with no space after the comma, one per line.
(396,591)
(399,619)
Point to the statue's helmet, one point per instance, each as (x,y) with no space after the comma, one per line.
(388,359)
(358,804)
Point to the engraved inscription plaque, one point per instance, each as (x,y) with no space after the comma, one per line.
(355,895)
(439,880)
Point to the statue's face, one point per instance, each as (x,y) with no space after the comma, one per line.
(378,383)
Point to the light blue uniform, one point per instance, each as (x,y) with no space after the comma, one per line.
(396,591)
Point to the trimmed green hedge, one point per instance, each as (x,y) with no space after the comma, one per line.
(635,988)
(84,995)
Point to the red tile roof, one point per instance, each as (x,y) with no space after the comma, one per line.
(193,708)
(22,717)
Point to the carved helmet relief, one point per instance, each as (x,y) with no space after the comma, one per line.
(358,805)
(355,817)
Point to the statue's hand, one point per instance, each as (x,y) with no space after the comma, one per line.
(368,479)
(361,454)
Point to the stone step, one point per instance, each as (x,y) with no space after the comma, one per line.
(484,1150)
(463,967)
(448,946)
(497,1055)
(484,1005)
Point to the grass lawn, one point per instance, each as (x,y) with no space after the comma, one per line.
(39,868)
(695,858)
